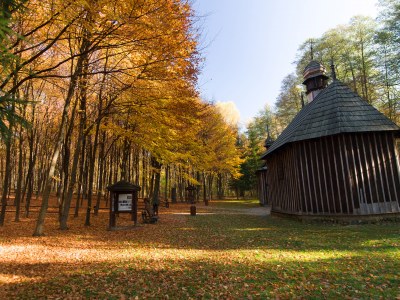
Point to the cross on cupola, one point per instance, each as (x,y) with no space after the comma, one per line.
(269,141)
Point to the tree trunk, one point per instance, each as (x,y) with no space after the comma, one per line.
(6,178)
(7,175)
(19,179)
(65,199)
(210,184)
(137,167)
(56,152)
(157,179)
(205,199)
(166,182)
(29,181)
(81,171)
(364,72)
(46,193)
(72,181)
(151,189)
(85,177)
(89,167)
(101,174)
(144,173)
(28,197)
(91,170)
(220,194)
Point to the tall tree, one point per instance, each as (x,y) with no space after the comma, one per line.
(289,101)
(8,100)
(388,41)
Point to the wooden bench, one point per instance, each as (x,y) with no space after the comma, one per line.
(148,215)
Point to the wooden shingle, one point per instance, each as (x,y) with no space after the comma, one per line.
(337,109)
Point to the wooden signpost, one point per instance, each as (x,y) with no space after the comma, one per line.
(123,199)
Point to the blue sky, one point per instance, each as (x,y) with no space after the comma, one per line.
(251,44)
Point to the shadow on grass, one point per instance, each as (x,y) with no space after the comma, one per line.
(218,232)
(207,277)
(207,256)
(253,232)
(246,232)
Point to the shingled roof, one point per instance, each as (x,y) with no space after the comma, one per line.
(337,109)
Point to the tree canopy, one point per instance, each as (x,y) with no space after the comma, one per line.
(110,91)
(365,53)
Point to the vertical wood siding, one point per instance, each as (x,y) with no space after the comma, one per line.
(262,187)
(345,174)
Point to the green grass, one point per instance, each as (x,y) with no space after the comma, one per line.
(239,256)
(233,203)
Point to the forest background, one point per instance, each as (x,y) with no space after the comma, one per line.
(366,57)
(93,92)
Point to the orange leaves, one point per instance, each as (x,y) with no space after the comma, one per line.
(218,139)
(224,252)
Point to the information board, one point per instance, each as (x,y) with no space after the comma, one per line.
(125,202)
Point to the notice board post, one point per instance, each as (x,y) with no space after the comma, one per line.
(123,199)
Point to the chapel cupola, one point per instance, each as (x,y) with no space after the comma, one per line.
(315,79)
(269,141)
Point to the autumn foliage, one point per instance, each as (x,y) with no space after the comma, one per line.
(97,91)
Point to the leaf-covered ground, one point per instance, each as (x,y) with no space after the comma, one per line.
(227,251)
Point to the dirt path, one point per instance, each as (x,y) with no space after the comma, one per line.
(255,211)
(258,211)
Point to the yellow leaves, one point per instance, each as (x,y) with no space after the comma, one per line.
(218,139)
(141,64)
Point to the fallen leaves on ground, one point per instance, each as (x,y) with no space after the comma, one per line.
(222,253)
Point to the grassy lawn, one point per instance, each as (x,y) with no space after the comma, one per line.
(220,253)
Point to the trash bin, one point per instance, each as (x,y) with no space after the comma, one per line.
(193,210)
